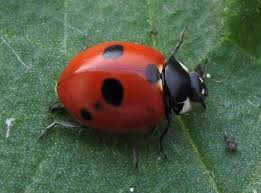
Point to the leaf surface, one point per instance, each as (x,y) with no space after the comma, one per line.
(39,38)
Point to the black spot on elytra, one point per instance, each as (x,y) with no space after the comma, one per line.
(97,105)
(152,73)
(113,52)
(86,115)
(112,91)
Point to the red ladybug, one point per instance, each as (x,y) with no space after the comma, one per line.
(123,87)
(117,87)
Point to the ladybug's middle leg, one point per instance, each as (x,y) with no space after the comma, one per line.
(152,129)
(135,157)
(162,135)
(168,117)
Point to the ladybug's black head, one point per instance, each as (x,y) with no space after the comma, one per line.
(183,86)
(198,86)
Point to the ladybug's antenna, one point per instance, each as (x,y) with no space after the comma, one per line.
(178,46)
(181,39)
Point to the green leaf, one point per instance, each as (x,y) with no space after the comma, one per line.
(38,38)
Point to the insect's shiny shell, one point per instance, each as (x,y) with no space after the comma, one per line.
(114,87)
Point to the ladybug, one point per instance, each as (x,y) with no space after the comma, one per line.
(124,88)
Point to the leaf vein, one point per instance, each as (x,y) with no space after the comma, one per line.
(149,20)
(65,26)
(198,155)
(244,51)
(14,52)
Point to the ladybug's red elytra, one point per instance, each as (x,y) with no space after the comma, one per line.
(124,88)
(114,87)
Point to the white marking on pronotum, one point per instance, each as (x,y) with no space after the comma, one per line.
(17,56)
(201,80)
(203,91)
(8,125)
(186,107)
(183,66)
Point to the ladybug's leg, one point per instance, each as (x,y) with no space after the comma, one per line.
(58,123)
(56,107)
(152,129)
(135,157)
(162,135)
(167,104)
(168,117)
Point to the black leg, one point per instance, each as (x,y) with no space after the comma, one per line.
(152,129)
(135,157)
(107,140)
(168,105)
(162,135)
(56,107)
(167,101)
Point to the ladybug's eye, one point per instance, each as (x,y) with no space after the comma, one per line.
(112,91)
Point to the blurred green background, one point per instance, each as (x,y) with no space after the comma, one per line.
(38,38)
